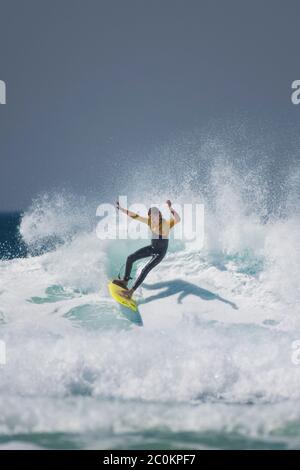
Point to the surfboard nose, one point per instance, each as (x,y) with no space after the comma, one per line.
(128,306)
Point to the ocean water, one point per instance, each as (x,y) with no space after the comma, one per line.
(212,367)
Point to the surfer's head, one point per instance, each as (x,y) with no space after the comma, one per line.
(154,216)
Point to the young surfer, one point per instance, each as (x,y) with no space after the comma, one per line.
(160,229)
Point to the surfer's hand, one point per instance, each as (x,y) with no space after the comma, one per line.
(169,203)
(118,205)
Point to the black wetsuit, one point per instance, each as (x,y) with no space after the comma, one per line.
(157,250)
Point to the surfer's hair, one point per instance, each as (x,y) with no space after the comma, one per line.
(154,210)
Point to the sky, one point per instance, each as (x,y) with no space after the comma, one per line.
(94,85)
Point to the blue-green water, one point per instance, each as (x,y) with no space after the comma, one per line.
(11,245)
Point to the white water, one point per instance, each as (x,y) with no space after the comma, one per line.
(214,357)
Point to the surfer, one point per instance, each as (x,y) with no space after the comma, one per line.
(160,229)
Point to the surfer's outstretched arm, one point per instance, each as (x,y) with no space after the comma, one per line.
(175,216)
(131,214)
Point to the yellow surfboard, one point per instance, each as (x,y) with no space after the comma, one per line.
(128,306)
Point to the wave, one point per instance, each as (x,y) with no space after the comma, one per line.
(219,323)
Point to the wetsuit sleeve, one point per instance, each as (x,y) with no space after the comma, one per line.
(144,220)
(135,216)
(172,222)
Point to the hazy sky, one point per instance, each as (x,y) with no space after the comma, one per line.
(94,84)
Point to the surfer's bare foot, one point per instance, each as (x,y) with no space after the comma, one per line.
(127,293)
